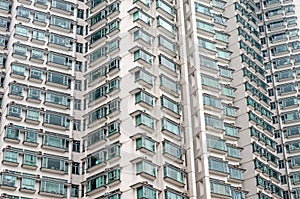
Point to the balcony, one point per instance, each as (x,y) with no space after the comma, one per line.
(61,24)
(41,4)
(55,189)
(166,9)
(97,4)
(173,151)
(62,7)
(174,175)
(144,121)
(171,128)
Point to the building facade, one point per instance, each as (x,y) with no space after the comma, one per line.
(149,99)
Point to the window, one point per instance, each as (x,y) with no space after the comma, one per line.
(8,180)
(55,140)
(146,143)
(146,167)
(76,146)
(144,97)
(97,114)
(75,190)
(170,104)
(53,186)
(113,175)
(279,148)
(30,135)
(275,119)
(172,149)
(170,126)
(78,66)
(277,134)
(283,179)
(76,125)
(75,168)
(145,192)
(78,85)
(79,47)
(219,187)
(10,156)
(96,182)
(55,163)
(80,13)
(79,30)
(32,114)
(40,17)
(30,158)
(273,105)
(27,183)
(144,119)
(140,15)
(57,98)
(77,104)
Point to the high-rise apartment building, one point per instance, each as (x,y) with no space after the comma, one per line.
(165,99)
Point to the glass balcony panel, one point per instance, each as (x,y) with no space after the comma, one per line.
(16,89)
(38,35)
(173,173)
(96,136)
(168,83)
(146,193)
(218,165)
(22,12)
(57,99)
(164,6)
(143,119)
(12,133)
(235,173)
(216,143)
(61,22)
(145,76)
(218,188)
(140,54)
(97,158)
(143,36)
(146,167)
(62,6)
(39,16)
(139,15)
(14,111)
(34,94)
(97,114)
(171,127)
(10,156)
(30,159)
(4,5)
(163,23)
(54,164)
(52,187)
(98,93)
(146,143)
(21,31)
(167,63)
(54,141)
(27,183)
(20,50)
(58,120)
(18,69)
(8,180)
(172,149)
(58,78)
(33,115)
(96,183)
